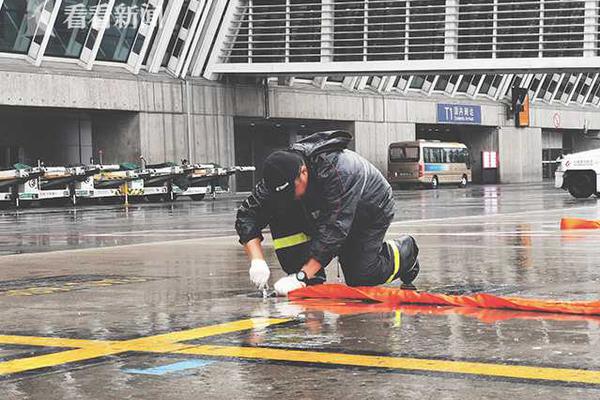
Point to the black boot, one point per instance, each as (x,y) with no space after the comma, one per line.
(409,264)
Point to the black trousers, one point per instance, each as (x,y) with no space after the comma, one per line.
(365,259)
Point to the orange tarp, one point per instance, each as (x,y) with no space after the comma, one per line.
(394,295)
(578,223)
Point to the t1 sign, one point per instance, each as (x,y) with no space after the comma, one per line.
(458,114)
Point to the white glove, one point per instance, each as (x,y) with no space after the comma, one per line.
(259,273)
(287,284)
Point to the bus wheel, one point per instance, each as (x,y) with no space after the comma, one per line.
(581,186)
(435,183)
(463,182)
(197,197)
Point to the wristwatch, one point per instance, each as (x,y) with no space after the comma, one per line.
(301,276)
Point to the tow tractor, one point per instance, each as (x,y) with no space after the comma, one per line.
(579,173)
(49,183)
(202,179)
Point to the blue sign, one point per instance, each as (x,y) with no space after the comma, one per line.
(436,167)
(458,114)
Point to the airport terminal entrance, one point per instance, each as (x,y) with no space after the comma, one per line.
(478,139)
(53,137)
(256,138)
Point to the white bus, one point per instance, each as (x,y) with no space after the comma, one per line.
(429,163)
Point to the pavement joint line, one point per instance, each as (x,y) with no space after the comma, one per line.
(169,343)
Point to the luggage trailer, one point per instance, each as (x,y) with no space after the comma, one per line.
(10,180)
(49,183)
(102,181)
(157,183)
(203,179)
(113,184)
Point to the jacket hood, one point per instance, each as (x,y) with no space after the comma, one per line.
(322,142)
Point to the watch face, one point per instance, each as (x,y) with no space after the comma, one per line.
(301,276)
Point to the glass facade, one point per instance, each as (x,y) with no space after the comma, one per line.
(71,28)
(305,30)
(372,30)
(387,30)
(426,29)
(17,24)
(475,28)
(175,40)
(119,37)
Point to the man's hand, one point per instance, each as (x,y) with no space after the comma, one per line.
(259,272)
(287,284)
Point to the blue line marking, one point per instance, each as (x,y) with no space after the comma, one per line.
(170,368)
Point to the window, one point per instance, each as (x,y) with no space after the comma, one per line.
(563,28)
(348,30)
(432,155)
(68,34)
(16,28)
(386,30)
(305,30)
(475,28)
(117,41)
(438,155)
(268,24)
(404,154)
(518,28)
(427,29)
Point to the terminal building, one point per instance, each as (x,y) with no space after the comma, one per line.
(228,81)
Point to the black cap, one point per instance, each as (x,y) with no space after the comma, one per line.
(280,170)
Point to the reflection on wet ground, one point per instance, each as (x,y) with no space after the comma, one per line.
(177,268)
(44,229)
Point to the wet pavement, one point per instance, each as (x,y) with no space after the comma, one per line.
(114,278)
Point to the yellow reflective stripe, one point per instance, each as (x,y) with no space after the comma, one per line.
(289,241)
(396,260)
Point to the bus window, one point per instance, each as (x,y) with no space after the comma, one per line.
(404,154)
(432,155)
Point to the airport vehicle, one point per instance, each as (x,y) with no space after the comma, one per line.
(203,179)
(579,174)
(121,182)
(105,182)
(49,183)
(158,181)
(428,163)
(10,180)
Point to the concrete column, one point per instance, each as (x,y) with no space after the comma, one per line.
(520,154)
(163,137)
(372,140)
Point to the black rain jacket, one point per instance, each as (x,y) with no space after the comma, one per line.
(345,191)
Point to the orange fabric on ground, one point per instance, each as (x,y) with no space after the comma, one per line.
(391,295)
(578,223)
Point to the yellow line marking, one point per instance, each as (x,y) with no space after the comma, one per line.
(411,364)
(90,349)
(171,343)
(52,360)
(52,342)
